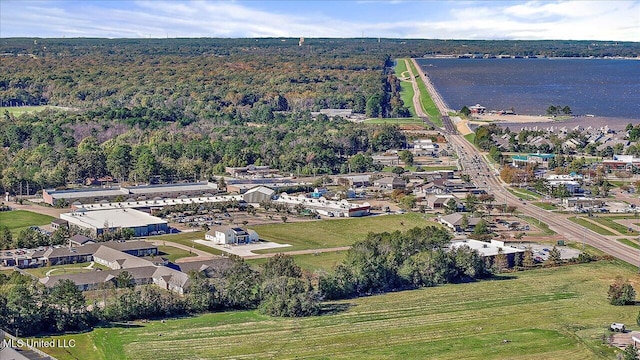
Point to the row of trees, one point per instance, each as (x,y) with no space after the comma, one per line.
(281,288)
(394,261)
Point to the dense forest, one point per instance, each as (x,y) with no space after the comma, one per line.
(178,109)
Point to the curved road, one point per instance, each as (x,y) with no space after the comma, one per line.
(481,173)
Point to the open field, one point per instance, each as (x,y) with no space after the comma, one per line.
(395,121)
(321,261)
(591,226)
(19,110)
(41,272)
(427,103)
(554,313)
(335,233)
(186,238)
(18,220)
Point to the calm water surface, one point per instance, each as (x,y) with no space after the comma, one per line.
(604,87)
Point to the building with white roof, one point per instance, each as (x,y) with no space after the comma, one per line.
(100,221)
(489,249)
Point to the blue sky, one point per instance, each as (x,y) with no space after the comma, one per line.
(526,20)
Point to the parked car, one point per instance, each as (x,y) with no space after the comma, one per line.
(617,327)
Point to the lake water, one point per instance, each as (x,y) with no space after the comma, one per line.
(604,87)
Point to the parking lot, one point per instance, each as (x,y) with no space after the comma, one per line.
(541,251)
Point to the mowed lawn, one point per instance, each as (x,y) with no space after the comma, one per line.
(427,103)
(558,313)
(335,233)
(19,110)
(18,220)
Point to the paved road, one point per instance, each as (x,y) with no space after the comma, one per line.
(476,166)
(299,252)
(417,105)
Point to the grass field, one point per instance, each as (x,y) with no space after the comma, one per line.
(187,238)
(591,226)
(395,121)
(406,92)
(634,244)
(19,110)
(428,106)
(335,233)
(41,272)
(173,253)
(471,138)
(320,261)
(554,313)
(18,220)
(610,223)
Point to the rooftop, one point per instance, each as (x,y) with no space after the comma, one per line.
(123,218)
(485,248)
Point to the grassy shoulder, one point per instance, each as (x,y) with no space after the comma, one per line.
(428,106)
(471,138)
(591,226)
(406,92)
(522,194)
(544,205)
(18,220)
(544,228)
(548,313)
(172,253)
(633,243)
(395,121)
(336,233)
(612,224)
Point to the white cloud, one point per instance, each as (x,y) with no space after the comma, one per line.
(592,20)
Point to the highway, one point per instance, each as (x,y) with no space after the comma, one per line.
(477,167)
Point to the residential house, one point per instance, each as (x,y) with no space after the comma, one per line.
(223,235)
(455,222)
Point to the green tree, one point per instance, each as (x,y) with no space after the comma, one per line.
(119,161)
(124,280)
(451,206)
(289,297)
(406,157)
(281,265)
(554,256)
(630,353)
(527,258)
(621,293)
(69,306)
(465,111)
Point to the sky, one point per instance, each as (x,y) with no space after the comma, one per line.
(610,20)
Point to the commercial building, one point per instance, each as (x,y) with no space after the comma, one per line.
(322,206)
(489,249)
(258,194)
(131,193)
(531,159)
(101,221)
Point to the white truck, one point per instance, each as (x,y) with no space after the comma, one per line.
(617,327)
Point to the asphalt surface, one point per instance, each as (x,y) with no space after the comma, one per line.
(476,166)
